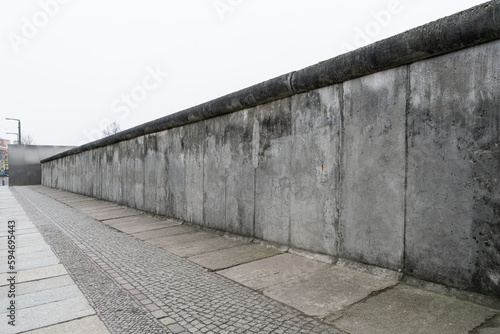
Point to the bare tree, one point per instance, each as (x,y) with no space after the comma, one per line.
(28,140)
(111,129)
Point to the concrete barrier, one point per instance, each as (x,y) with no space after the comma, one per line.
(388,155)
(25,167)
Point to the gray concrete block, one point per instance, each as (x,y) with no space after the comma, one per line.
(372,209)
(141,227)
(194,162)
(273,270)
(326,291)
(273,164)
(180,239)
(453,227)
(240,173)
(138,184)
(410,310)
(114,214)
(315,170)
(161,168)
(214,169)
(176,198)
(226,258)
(151,172)
(202,246)
(158,233)
(124,164)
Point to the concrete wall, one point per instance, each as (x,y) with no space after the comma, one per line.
(396,166)
(24,162)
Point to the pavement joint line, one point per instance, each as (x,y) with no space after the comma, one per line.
(59,323)
(485,324)
(361,301)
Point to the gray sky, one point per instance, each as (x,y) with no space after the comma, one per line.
(69,67)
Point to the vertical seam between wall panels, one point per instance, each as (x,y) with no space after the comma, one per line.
(254,199)
(340,165)
(185,211)
(145,154)
(203,139)
(224,223)
(254,172)
(289,169)
(405,209)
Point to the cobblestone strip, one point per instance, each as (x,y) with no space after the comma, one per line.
(189,297)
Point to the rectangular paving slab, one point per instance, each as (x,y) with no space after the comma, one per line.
(22,240)
(143,218)
(226,258)
(407,310)
(40,285)
(180,239)
(35,274)
(100,208)
(49,314)
(113,214)
(31,260)
(45,296)
(19,231)
(173,230)
(328,290)
(91,324)
(273,270)
(141,227)
(202,246)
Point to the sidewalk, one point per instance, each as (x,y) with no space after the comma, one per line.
(144,274)
(46,297)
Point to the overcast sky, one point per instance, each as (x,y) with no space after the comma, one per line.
(69,67)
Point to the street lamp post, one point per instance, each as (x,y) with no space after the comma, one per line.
(19,128)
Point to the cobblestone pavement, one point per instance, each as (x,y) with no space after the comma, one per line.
(138,288)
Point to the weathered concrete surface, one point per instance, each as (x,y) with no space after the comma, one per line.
(239,148)
(214,181)
(328,290)
(453,213)
(175,177)
(372,213)
(194,154)
(406,309)
(273,171)
(272,271)
(315,170)
(226,258)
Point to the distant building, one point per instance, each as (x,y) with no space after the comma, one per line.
(4,154)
